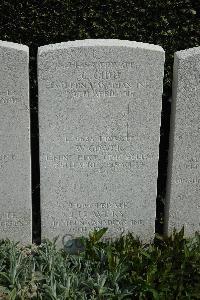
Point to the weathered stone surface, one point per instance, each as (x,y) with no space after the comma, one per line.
(183,183)
(15,164)
(99,116)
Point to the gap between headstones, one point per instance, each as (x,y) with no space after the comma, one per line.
(36,215)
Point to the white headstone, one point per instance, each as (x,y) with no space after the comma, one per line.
(99,118)
(15,159)
(183,183)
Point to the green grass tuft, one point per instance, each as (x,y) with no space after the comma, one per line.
(169,268)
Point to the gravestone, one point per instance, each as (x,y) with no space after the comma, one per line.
(15,164)
(183,182)
(99,119)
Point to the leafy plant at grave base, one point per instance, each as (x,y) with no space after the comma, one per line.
(169,268)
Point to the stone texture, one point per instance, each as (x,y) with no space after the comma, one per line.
(99,117)
(183,182)
(15,164)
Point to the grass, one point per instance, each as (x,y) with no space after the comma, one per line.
(169,268)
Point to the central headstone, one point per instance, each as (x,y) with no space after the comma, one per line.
(99,115)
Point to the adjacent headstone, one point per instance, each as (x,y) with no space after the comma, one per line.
(15,164)
(99,119)
(183,183)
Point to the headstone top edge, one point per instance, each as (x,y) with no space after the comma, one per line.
(183,54)
(14,46)
(99,42)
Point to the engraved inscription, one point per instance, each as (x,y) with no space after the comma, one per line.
(7,157)
(9,220)
(101,64)
(84,225)
(8,98)
(98,205)
(98,152)
(194,180)
(4,158)
(192,163)
(99,79)
(101,214)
